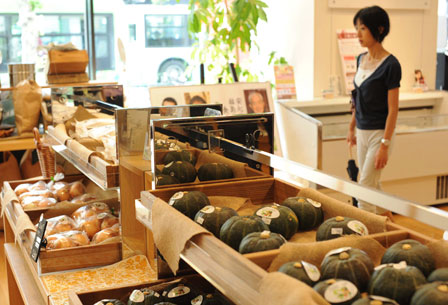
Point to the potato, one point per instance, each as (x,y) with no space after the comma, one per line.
(40,185)
(77,189)
(31,201)
(104,235)
(107,220)
(90,210)
(63,194)
(90,225)
(60,224)
(46,202)
(22,188)
(59,241)
(80,238)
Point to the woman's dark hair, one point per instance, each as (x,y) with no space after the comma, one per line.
(375,19)
(170,100)
(198,100)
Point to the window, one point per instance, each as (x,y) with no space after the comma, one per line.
(166,31)
(59,29)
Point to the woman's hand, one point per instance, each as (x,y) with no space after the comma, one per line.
(381,157)
(351,137)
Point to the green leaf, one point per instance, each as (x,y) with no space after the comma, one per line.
(271,57)
(204,3)
(262,15)
(261,4)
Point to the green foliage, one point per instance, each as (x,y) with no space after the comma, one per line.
(35,4)
(223,28)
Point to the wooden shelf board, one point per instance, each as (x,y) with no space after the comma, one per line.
(17,144)
(90,83)
(26,284)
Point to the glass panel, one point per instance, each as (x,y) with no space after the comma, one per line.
(100,24)
(2,25)
(101,46)
(50,25)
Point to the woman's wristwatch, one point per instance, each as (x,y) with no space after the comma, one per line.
(385,142)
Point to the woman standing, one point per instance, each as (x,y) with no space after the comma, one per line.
(377,83)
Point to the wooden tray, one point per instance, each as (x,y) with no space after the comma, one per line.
(123,293)
(90,187)
(259,191)
(395,234)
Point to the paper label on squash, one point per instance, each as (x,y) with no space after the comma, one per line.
(200,220)
(197,300)
(358,227)
(315,203)
(382,299)
(337,231)
(175,197)
(137,296)
(312,271)
(208,209)
(178,291)
(337,251)
(400,265)
(340,291)
(268,212)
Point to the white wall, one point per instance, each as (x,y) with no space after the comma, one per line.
(412,39)
(290,32)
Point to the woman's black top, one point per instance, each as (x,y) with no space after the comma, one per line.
(371,97)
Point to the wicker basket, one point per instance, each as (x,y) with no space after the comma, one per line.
(45,155)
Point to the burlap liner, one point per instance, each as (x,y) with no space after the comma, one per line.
(439,250)
(59,132)
(23,223)
(81,151)
(278,288)
(238,168)
(314,252)
(333,207)
(9,197)
(90,143)
(237,203)
(81,114)
(171,231)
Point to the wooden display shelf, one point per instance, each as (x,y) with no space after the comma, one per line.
(16,143)
(83,84)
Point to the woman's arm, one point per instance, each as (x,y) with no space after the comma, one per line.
(351,137)
(391,121)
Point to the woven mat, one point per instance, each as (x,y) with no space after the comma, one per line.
(131,271)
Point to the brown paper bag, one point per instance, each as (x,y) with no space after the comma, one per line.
(29,165)
(27,97)
(9,168)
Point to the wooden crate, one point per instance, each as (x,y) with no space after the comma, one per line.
(63,259)
(90,186)
(395,234)
(259,191)
(60,62)
(123,293)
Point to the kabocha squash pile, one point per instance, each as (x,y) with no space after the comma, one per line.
(348,272)
(43,195)
(180,166)
(90,224)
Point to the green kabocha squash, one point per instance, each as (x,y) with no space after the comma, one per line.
(166,180)
(413,253)
(308,211)
(433,293)
(183,171)
(144,296)
(179,155)
(375,300)
(261,241)
(336,291)
(109,302)
(237,227)
(165,303)
(210,299)
(180,293)
(212,218)
(303,271)
(396,281)
(280,219)
(189,203)
(440,274)
(338,226)
(349,264)
(214,171)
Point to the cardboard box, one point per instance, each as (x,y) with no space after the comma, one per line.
(61,62)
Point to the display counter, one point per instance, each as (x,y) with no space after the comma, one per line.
(314,133)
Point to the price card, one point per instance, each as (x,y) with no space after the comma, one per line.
(39,240)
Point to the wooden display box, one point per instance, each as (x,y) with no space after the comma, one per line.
(123,293)
(64,259)
(249,172)
(260,192)
(91,187)
(60,62)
